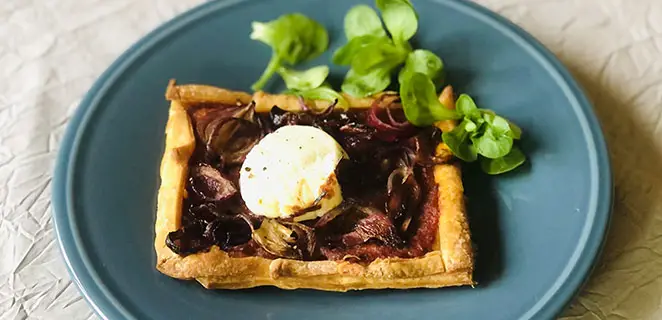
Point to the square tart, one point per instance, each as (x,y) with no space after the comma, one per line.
(450,263)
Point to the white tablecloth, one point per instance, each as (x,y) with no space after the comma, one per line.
(52,50)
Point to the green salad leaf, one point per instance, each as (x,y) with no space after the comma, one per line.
(400,19)
(304,80)
(362,20)
(492,144)
(371,53)
(483,132)
(515,131)
(423,61)
(466,106)
(293,38)
(420,102)
(363,85)
(325,93)
(512,160)
(378,55)
(456,140)
(344,55)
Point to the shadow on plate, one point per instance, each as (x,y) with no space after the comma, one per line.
(630,258)
(483,223)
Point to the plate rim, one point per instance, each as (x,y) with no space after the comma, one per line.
(550,304)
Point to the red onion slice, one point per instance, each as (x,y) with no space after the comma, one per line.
(387,131)
(332,214)
(403,173)
(188,240)
(306,240)
(233,138)
(277,238)
(374,226)
(209,184)
(398,124)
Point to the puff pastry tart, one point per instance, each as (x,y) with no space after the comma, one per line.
(264,189)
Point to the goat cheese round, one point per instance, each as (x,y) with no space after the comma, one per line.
(291,173)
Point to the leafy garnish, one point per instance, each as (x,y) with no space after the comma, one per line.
(400,19)
(456,140)
(512,160)
(304,80)
(325,93)
(466,106)
(423,61)
(371,53)
(375,50)
(381,55)
(310,85)
(293,38)
(345,54)
(482,132)
(363,85)
(492,144)
(420,102)
(362,20)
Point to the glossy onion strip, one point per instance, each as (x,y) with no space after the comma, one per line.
(403,192)
(392,129)
(209,184)
(232,138)
(277,239)
(375,226)
(225,231)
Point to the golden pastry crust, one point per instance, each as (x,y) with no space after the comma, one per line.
(450,263)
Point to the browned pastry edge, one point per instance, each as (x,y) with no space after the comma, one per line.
(449,264)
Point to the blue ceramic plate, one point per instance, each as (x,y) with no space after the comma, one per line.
(537,230)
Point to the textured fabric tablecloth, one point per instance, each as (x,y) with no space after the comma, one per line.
(52,50)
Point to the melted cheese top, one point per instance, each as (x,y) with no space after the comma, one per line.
(291,172)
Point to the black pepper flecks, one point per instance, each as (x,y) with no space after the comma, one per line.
(264,168)
(248,169)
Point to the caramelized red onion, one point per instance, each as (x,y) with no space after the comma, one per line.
(305,243)
(422,150)
(228,231)
(188,239)
(286,240)
(241,142)
(275,239)
(389,129)
(398,124)
(403,191)
(403,201)
(232,139)
(398,177)
(308,117)
(333,213)
(203,115)
(375,226)
(280,117)
(225,231)
(209,184)
(206,212)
